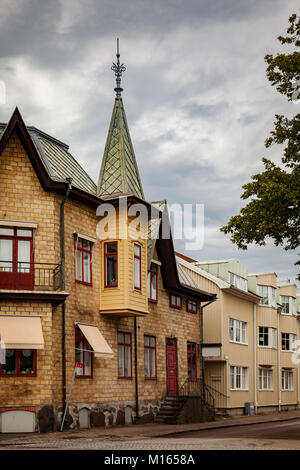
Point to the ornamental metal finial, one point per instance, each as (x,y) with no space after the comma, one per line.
(118,69)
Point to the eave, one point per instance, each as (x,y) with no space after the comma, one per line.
(54,297)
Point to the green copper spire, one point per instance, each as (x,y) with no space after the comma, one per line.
(119,172)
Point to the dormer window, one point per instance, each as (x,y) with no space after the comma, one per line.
(289,305)
(268,295)
(111,264)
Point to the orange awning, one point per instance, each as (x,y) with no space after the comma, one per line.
(21,332)
(96,340)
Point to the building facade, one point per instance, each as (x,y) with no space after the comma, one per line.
(249,337)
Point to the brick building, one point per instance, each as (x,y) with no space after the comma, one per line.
(116,314)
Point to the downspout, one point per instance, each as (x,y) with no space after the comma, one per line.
(63,285)
(136,370)
(255,360)
(278,349)
(298,377)
(201,341)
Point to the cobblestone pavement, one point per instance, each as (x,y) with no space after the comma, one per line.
(185,444)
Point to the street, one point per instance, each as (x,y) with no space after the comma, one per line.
(264,436)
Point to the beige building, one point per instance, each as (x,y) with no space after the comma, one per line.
(249,336)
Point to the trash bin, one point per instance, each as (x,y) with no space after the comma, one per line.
(249,409)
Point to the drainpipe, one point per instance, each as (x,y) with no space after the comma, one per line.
(202,336)
(136,370)
(255,360)
(63,285)
(278,352)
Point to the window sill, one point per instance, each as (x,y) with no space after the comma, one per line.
(151,378)
(266,389)
(267,347)
(18,375)
(237,342)
(239,389)
(289,390)
(83,376)
(84,283)
(153,301)
(125,378)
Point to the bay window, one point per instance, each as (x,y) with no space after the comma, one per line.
(287,379)
(267,337)
(238,331)
(268,295)
(265,378)
(288,342)
(289,305)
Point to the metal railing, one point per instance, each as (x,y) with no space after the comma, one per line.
(197,388)
(21,275)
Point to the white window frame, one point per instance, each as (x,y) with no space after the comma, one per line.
(292,342)
(242,327)
(272,338)
(291,304)
(287,380)
(265,375)
(240,375)
(270,295)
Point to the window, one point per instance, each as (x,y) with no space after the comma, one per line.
(238,282)
(287,380)
(192,360)
(265,378)
(83,250)
(137,267)
(289,305)
(267,337)
(124,355)
(150,357)
(152,283)
(19,362)
(83,355)
(238,331)
(268,295)
(191,306)
(176,301)
(238,378)
(111,264)
(16,258)
(288,342)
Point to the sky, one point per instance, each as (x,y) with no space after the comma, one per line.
(198,103)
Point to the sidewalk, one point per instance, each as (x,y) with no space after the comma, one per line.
(148,431)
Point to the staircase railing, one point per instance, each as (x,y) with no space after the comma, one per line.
(197,388)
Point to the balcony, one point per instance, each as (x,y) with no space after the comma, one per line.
(22,275)
(34,281)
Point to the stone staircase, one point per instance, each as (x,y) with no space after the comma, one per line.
(170,410)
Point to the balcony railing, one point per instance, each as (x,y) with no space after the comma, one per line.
(21,275)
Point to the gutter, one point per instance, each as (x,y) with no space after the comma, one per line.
(63,282)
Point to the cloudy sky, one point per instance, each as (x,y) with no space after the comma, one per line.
(197,100)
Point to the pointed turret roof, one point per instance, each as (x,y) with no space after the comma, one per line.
(119,172)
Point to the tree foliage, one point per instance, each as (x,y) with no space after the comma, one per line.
(273,210)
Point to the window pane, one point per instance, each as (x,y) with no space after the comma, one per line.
(147,368)
(87,360)
(111,270)
(10,362)
(153,369)
(24,233)
(6,255)
(121,361)
(111,247)
(127,361)
(79,265)
(152,341)
(137,277)
(153,286)
(137,250)
(127,338)
(27,361)
(146,340)
(87,267)
(6,231)
(23,256)
(79,357)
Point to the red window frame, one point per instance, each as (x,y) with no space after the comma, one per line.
(18,373)
(191,310)
(153,273)
(79,336)
(139,258)
(124,344)
(106,255)
(83,250)
(15,279)
(190,355)
(175,305)
(147,351)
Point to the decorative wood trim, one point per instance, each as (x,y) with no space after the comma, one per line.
(18,223)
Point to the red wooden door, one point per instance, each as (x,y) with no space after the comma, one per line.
(171,366)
